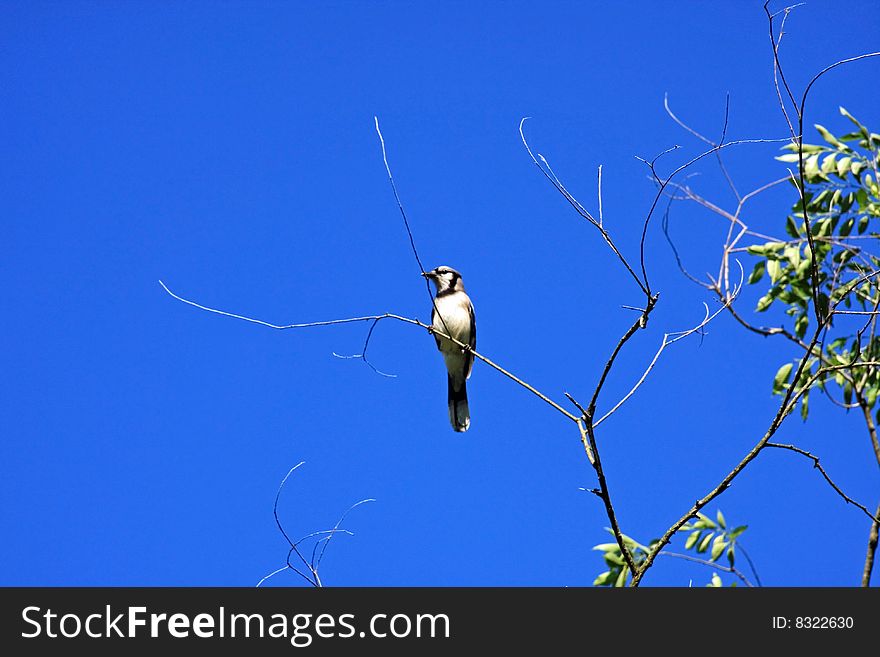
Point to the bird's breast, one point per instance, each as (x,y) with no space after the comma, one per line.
(456,317)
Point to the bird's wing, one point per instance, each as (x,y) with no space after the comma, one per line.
(469,357)
(434,323)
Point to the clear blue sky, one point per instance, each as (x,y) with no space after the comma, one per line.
(228,148)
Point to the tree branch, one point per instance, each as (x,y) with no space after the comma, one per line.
(375,318)
(725,482)
(872,549)
(548,173)
(711,564)
(821,470)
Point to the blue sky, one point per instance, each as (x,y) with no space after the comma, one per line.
(228,149)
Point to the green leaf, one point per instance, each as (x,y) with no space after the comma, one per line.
(788,157)
(718,546)
(613,558)
(692,538)
(829,164)
(715,583)
(735,533)
(704,544)
(827,136)
(843,166)
(707,522)
(822,228)
(847,226)
(835,198)
(863,223)
(731,558)
(773,270)
(720,518)
(757,273)
(791,227)
(781,377)
(604,579)
(621,578)
(862,129)
(856,166)
(627,541)
(606,547)
(800,325)
(811,166)
(766,249)
(805,401)
(764,303)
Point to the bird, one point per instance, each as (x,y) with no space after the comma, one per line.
(453,315)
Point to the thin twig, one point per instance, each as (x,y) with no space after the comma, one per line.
(711,564)
(314,563)
(662,183)
(412,241)
(280,327)
(548,173)
(664,224)
(706,140)
(336,528)
(819,467)
(754,570)
(293,547)
(777,68)
(363,355)
(668,339)
(399,318)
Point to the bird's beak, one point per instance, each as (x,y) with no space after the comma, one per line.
(427,274)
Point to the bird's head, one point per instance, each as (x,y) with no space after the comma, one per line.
(445,278)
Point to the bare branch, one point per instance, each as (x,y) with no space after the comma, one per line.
(819,467)
(711,564)
(335,529)
(662,183)
(872,549)
(869,421)
(293,548)
(777,68)
(281,327)
(412,241)
(272,574)
(314,563)
(399,318)
(725,482)
(668,339)
(665,227)
(751,563)
(363,355)
(548,173)
(588,436)
(708,141)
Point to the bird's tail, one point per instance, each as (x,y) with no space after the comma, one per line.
(459,414)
